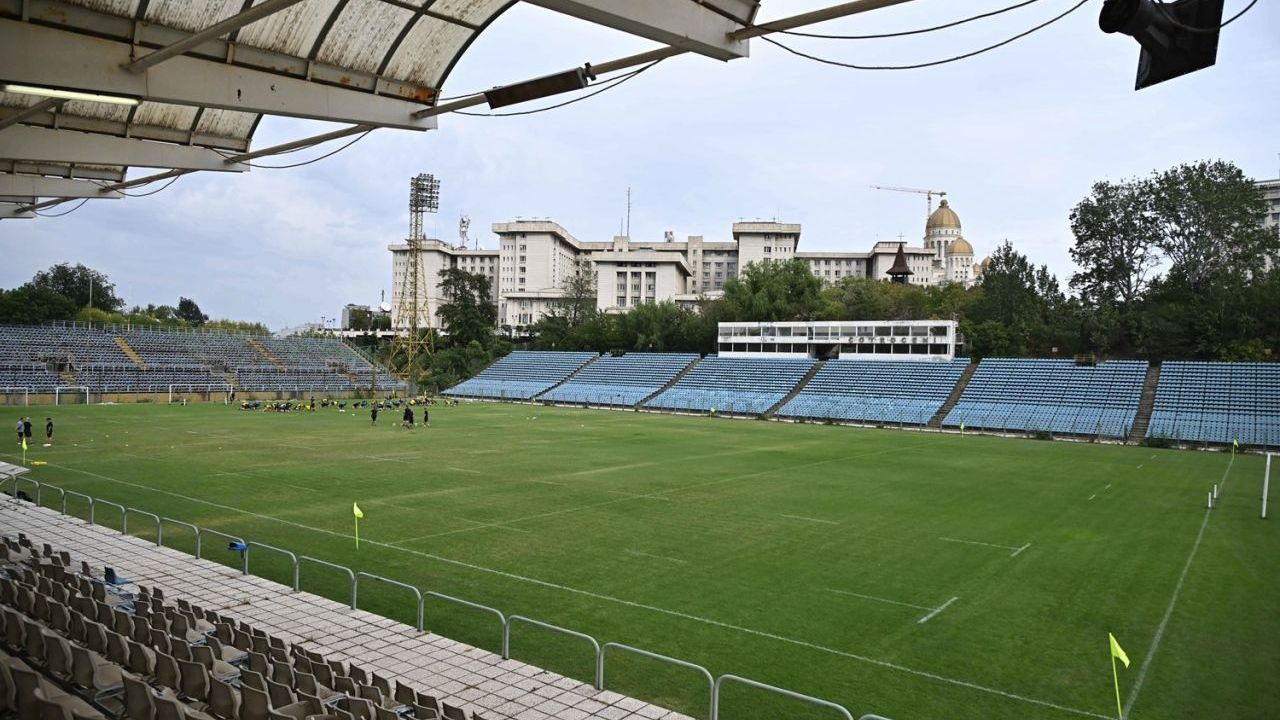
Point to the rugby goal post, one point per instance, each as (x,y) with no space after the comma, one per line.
(1266,486)
(14,390)
(76,390)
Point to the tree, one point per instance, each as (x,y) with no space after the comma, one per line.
(79,284)
(189,311)
(32,304)
(1117,244)
(1207,217)
(468,314)
(774,291)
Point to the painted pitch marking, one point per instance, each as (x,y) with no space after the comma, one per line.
(1015,552)
(638,553)
(976,542)
(628,603)
(1093,496)
(1173,600)
(809,519)
(464,470)
(879,599)
(936,610)
(299,487)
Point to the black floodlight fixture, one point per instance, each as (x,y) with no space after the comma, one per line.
(1176,37)
(545,86)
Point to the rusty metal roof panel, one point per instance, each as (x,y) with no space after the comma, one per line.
(191,16)
(475,12)
(177,117)
(122,8)
(428,52)
(363,34)
(227,123)
(101,111)
(292,31)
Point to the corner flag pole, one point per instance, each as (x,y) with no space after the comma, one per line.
(355,510)
(1117,652)
(24,451)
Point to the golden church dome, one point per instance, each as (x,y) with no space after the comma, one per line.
(944,218)
(959,246)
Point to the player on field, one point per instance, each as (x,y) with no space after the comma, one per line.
(373,415)
(48,431)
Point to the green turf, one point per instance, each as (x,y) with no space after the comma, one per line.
(724,542)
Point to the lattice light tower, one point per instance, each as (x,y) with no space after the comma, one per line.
(413,339)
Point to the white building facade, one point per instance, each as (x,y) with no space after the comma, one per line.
(535,259)
(846,339)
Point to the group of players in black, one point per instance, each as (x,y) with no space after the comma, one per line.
(24,430)
(408,418)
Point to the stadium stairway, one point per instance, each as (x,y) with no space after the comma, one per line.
(687,369)
(133,354)
(1139,431)
(253,342)
(463,682)
(572,375)
(768,414)
(68,377)
(954,397)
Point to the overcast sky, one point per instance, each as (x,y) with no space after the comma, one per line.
(1015,137)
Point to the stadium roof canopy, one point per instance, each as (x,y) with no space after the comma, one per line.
(90,89)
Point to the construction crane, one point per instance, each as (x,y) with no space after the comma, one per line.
(927,193)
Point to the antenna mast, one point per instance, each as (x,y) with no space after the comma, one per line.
(413,337)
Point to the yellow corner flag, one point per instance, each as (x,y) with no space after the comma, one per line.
(355,510)
(1117,653)
(24,451)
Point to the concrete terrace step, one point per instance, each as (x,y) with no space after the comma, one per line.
(795,390)
(954,397)
(1145,406)
(133,354)
(571,375)
(671,384)
(455,673)
(265,353)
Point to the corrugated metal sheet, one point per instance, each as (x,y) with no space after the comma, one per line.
(119,113)
(476,12)
(363,34)
(191,16)
(123,8)
(226,123)
(178,117)
(292,31)
(16,100)
(427,52)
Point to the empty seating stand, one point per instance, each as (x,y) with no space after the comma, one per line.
(1055,396)
(622,381)
(1217,402)
(190,360)
(734,385)
(522,374)
(880,391)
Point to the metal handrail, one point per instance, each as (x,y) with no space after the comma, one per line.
(417,594)
(63,510)
(502,619)
(244,556)
(264,546)
(93,509)
(194,531)
(506,640)
(40,491)
(17,483)
(711,683)
(335,566)
(124,523)
(715,695)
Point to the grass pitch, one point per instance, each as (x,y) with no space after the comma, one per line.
(910,574)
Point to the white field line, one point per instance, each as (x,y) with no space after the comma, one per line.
(936,610)
(620,601)
(464,470)
(638,553)
(1108,487)
(1015,552)
(636,495)
(228,473)
(546,482)
(299,487)
(1093,496)
(809,519)
(975,542)
(611,468)
(495,525)
(1173,600)
(879,599)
